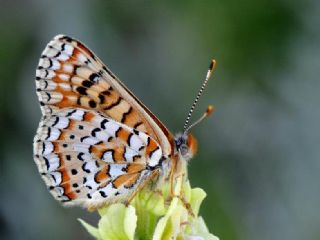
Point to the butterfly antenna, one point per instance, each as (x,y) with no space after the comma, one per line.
(209,109)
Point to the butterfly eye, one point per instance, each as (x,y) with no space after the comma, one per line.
(184,149)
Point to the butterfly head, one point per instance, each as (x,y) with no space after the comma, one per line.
(187,145)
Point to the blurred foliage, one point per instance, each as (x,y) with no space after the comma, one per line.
(249,33)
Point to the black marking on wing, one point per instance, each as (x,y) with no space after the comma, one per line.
(49,132)
(80,156)
(113,104)
(124,115)
(87,83)
(84,168)
(70,113)
(103,122)
(83,138)
(129,139)
(92,104)
(47,163)
(93,77)
(82,90)
(103,194)
(95,131)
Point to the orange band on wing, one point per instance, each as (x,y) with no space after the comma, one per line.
(151,147)
(88,116)
(66,180)
(102,175)
(127,180)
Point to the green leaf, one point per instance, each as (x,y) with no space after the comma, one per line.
(197,196)
(92,230)
(118,223)
(201,231)
(149,206)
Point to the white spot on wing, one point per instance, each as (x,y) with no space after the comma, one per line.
(116,170)
(44,62)
(107,156)
(68,49)
(64,77)
(50,52)
(62,123)
(90,181)
(135,142)
(46,85)
(77,115)
(155,157)
(90,140)
(109,190)
(111,128)
(144,137)
(51,74)
(102,135)
(65,86)
(56,177)
(63,57)
(54,134)
(55,64)
(68,68)
(91,166)
(81,147)
(82,58)
(54,162)
(60,190)
(54,97)
(129,154)
(45,73)
(86,157)
(48,148)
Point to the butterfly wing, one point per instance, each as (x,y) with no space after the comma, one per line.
(83,103)
(88,159)
(70,75)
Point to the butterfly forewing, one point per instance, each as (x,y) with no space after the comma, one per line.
(70,75)
(96,142)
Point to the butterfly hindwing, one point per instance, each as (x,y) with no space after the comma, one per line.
(88,159)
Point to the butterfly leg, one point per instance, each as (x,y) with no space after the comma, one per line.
(180,195)
(172,177)
(153,175)
(187,205)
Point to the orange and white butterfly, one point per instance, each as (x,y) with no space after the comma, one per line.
(97,143)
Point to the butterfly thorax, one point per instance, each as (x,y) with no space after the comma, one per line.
(186,145)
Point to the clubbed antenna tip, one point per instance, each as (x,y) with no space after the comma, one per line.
(210,109)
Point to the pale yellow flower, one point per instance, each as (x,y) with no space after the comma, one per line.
(151,216)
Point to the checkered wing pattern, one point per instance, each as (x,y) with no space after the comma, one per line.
(96,142)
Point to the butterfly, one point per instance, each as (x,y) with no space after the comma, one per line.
(96,143)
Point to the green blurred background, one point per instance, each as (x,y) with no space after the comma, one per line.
(259,154)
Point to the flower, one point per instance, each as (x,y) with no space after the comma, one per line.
(155,215)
